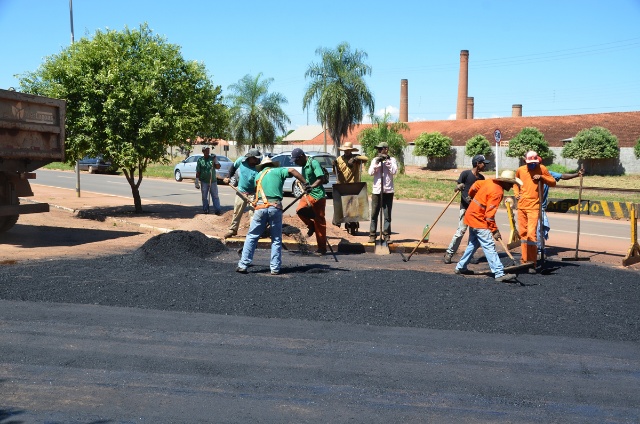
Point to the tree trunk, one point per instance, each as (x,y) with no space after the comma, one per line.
(135,188)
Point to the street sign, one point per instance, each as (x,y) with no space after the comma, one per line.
(497,135)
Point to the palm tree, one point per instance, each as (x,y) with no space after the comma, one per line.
(338,88)
(255,114)
(383,130)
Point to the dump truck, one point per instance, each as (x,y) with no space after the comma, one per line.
(31,136)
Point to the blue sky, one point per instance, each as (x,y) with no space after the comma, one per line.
(557,57)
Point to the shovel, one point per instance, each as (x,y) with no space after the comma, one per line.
(426,234)
(576,258)
(382,248)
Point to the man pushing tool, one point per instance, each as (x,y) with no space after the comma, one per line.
(484,199)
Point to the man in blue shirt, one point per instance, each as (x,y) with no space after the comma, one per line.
(245,169)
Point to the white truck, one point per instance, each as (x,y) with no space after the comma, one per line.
(31,136)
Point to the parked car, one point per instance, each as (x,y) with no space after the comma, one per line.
(325,160)
(186,170)
(93,165)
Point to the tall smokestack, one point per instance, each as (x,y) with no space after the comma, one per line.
(463,85)
(404,100)
(469,107)
(516,110)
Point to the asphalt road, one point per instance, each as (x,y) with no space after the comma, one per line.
(172,338)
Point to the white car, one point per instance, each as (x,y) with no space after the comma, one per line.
(186,170)
(325,160)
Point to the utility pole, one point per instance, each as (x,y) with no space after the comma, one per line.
(72,41)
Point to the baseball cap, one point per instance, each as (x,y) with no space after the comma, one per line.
(531,157)
(297,152)
(478,159)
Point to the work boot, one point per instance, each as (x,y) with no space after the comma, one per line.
(386,238)
(506,277)
(447,258)
(372,238)
(241,270)
(229,233)
(463,271)
(310,231)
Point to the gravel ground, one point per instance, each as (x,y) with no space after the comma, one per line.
(186,271)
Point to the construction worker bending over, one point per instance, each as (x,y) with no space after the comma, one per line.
(528,196)
(484,199)
(312,205)
(464,183)
(268,211)
(245,167)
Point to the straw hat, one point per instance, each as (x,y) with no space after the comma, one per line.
(508,176)
(348,146)
(266,161)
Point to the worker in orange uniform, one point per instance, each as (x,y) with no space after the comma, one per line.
(484,200)
(528,196)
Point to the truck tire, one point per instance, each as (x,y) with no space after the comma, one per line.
(7,222)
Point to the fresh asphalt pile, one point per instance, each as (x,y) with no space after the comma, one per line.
(186,271)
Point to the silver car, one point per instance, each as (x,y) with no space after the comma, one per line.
(186,170)
(325,160)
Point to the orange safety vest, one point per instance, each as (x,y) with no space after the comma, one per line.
(529,194)
(486,197)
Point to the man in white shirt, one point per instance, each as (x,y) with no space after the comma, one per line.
(383,167)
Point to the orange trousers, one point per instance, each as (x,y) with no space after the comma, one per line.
(528,229)
(318,222)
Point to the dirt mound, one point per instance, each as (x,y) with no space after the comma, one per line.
(180,243)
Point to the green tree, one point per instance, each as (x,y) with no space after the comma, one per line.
(636,149)
(477,145)
(384,131)
(130,95)
(256,114)
(432,145)
(529,138)
(592,143)
(338,88)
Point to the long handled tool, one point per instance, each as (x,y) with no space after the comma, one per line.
(426,234)
(541,219)
(506,249)
(382,247)
(576,258)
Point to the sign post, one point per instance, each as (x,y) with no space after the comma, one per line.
(497,135)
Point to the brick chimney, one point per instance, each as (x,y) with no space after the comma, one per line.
(516,110)
(463,85)
(469,107)
(404,100)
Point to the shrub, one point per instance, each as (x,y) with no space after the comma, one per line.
(432,145)
(529,138)
(593,143)
(477,145)
(636,149)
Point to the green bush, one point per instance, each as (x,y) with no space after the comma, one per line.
(529,138)
(592,143)
(477,145)
(432,145)
(636,149)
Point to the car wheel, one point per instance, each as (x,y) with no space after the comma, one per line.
(178,175)
(91,170)
(297,190)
